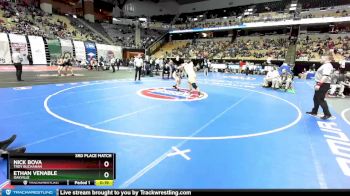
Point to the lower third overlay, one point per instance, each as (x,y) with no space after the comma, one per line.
(118,192)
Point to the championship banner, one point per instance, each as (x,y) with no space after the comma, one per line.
(109,51)
(118,51)
(54,48)
(67,46)
(38,50)
(80,52)
(102,50)
(91,51)
(19,41)
(5,54)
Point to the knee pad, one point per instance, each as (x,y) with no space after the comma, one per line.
(194,85)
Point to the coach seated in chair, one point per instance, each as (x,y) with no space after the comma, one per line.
(345,85)
(92,64)
(166,69)
(272,78)
(146,69)
(84,64)
(335,84)
(339,85)
(286,80)
(4,151)
(101,64)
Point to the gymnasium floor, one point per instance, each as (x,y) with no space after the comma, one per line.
(239,136)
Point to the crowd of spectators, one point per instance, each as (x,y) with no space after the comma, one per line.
(261,47)
(329,12)
(200,48)
(313,46)
(307,4)
(86,31)
(30,20)
(310,47)
(247,47)
(271,11)
(230,21)
(124,35)
(233,20)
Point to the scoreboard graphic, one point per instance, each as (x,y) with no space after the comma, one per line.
(90,169)
(96,169)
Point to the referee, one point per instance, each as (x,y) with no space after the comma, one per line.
(138,62)
(17,61)
(323,83)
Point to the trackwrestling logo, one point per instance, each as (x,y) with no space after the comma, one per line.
(9,192)
(171,94)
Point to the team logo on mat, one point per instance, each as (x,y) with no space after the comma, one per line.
(171,94)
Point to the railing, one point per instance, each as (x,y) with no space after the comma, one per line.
(154,47)
(86,24)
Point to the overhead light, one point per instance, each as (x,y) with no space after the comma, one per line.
(74,16)
(195,19)
(116,19)
(143,19)
(201,16)
(225,17)
(204,34)
(293,5)
(292,8)
(250,10)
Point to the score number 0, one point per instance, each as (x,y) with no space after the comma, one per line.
(106,164)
